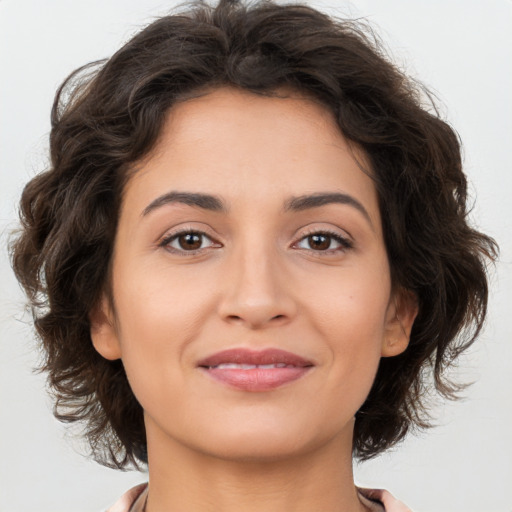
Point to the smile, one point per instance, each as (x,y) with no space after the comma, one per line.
(235,366)
(255,371)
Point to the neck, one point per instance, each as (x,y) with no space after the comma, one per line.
(185,479)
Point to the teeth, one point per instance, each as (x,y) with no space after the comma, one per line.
(235,366)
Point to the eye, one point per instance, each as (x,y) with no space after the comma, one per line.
(324,242)
(188,241)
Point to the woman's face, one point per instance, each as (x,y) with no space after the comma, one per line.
(251,285)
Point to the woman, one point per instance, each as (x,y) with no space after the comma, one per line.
(247,259)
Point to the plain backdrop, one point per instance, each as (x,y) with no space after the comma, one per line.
(462,49)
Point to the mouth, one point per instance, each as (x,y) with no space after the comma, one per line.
(250,370)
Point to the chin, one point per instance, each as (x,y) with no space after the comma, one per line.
(263,441)
(258,448)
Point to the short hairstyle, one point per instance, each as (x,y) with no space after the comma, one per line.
(108,115)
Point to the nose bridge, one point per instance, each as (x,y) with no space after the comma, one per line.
(256,291)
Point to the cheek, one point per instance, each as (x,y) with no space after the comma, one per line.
(158,318)
(158,306)
(353,302)
(350,315)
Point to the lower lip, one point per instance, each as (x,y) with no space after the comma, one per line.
(257,379)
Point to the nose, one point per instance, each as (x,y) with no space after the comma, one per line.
(258,292)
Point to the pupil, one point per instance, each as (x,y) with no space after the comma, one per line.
(319,241)
(190,241)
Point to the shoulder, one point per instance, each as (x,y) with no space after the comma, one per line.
(130,498)
(379,500)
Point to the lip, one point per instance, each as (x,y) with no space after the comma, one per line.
(255,370)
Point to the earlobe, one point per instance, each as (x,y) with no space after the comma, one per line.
(402,312)
(103,331)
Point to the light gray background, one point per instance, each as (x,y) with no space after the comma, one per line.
(460,48)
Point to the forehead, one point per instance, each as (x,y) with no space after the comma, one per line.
(239,102)
(227,114)
(228,141)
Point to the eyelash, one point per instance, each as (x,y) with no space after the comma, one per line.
(345,243)
(166,241)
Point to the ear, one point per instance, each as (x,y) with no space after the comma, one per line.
(402,311)
(103,330)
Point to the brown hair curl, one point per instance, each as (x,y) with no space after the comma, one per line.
(105,120)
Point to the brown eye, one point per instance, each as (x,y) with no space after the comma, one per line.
(190,241)
(319,242)
(187,241)
(324,242)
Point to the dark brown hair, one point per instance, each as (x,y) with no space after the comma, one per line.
(108,115)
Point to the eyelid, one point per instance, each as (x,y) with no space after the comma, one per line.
(166,239)
(345,241)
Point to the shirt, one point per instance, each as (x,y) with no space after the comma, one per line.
(377,500)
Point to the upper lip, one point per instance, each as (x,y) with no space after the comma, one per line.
(255,357)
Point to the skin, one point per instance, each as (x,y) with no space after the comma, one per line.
(257,281)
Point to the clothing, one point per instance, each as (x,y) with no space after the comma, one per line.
(131,501)
(382,500)
(377,500)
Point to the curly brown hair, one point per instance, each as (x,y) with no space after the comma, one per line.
(108,115)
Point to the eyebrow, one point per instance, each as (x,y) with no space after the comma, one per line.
(295,204)
(306,202)
(204,201)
